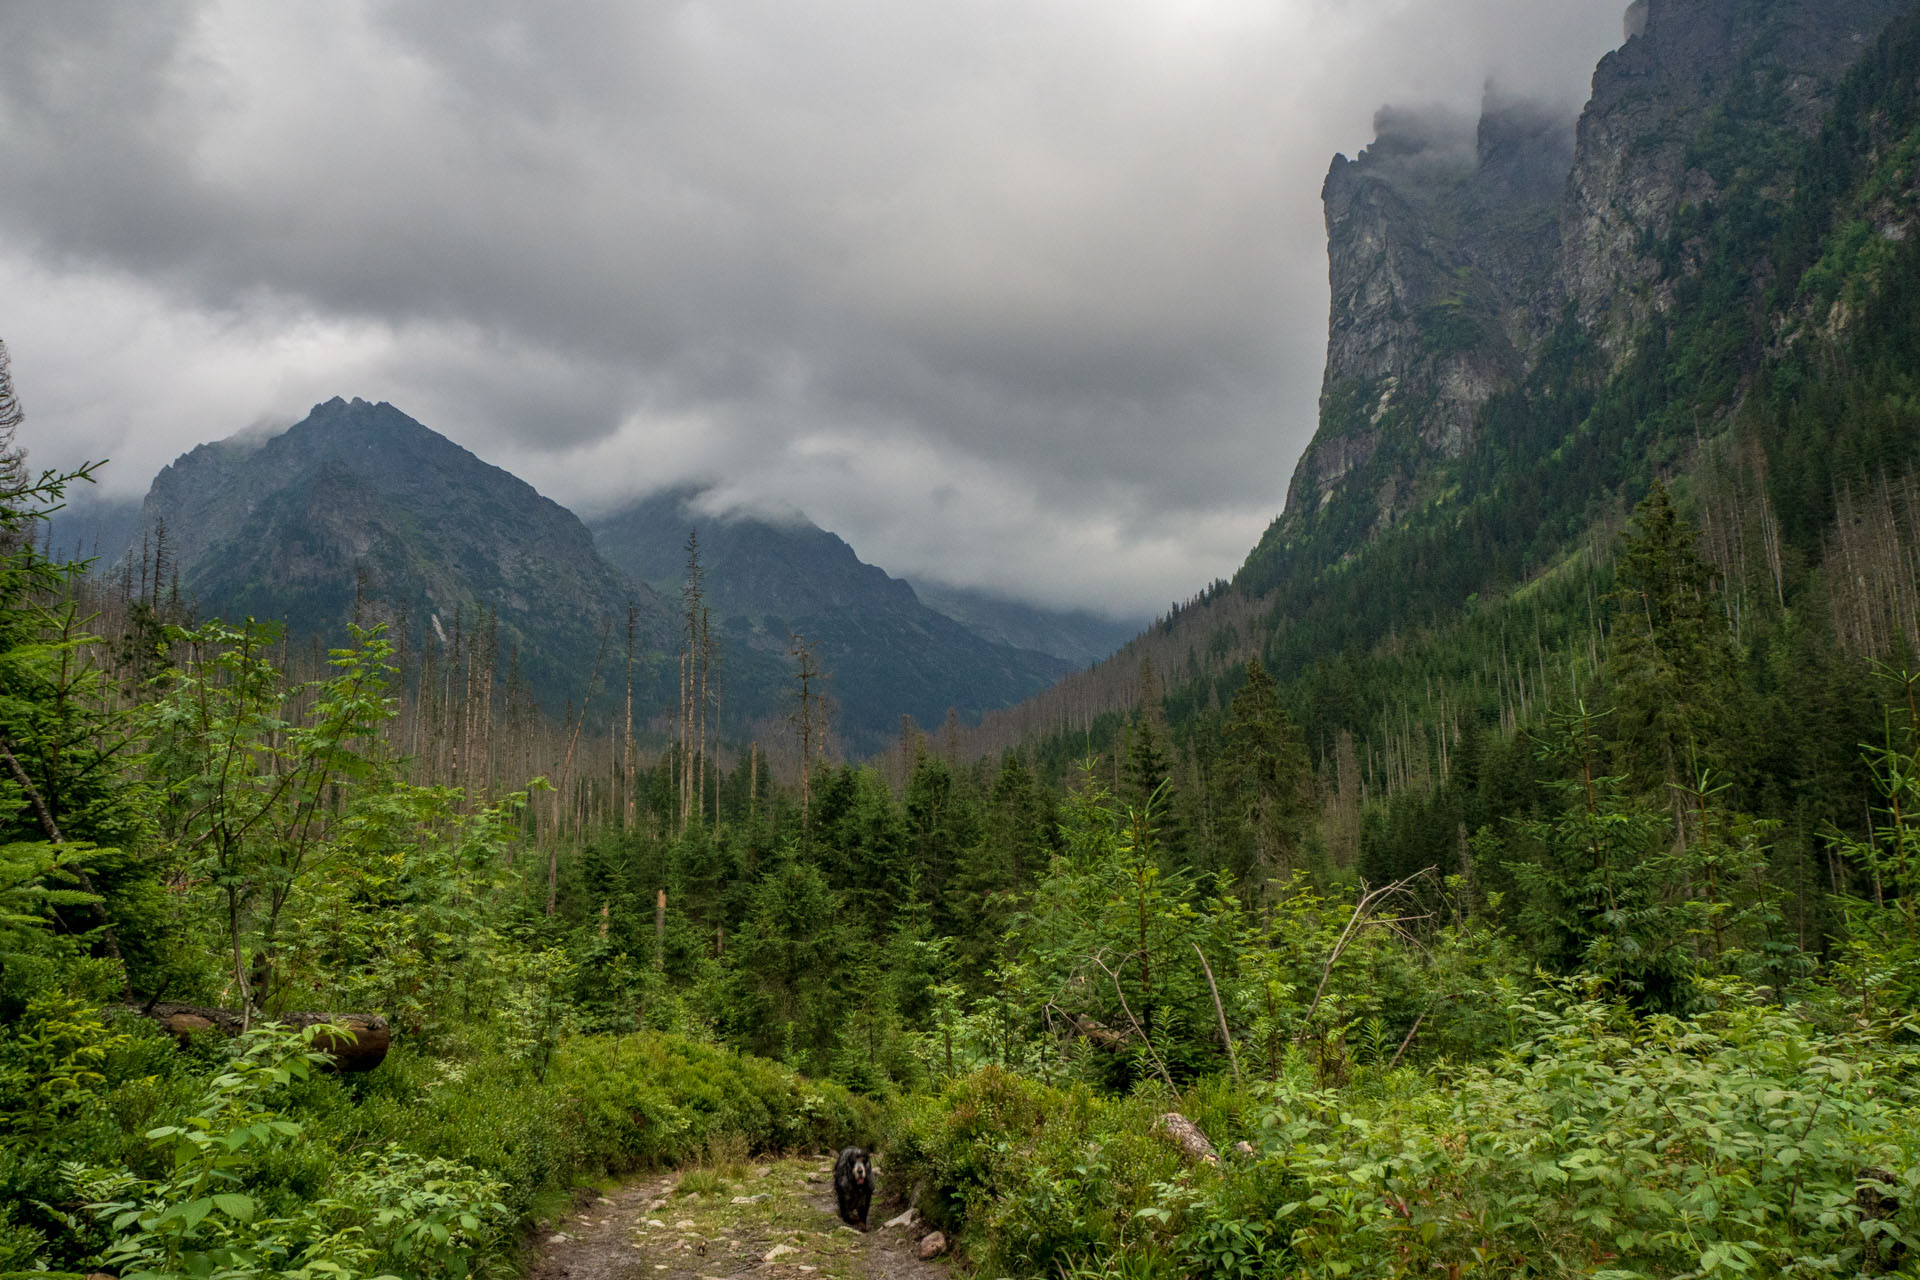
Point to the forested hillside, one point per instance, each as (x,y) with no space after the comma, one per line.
(1514,870)
(764,582)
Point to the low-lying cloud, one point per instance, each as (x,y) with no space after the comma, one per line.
(1026,296)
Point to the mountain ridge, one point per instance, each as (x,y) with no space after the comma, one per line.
(766,581)
(801,568)
(360,513)
(359,510)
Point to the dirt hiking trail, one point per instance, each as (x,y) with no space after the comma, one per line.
(776,1221)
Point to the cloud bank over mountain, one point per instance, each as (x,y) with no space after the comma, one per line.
(1022,296)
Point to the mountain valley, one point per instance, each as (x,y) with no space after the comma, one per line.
(1511,870)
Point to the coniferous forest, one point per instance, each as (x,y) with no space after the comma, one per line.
(1523,881)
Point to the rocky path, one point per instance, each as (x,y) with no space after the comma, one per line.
(773,1220)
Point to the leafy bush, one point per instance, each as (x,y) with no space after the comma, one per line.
(1608,1143)
(1739,1143)
(264,1165)
(662,1099)
(1040,1178)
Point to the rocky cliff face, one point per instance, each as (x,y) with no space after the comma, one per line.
(1440,238)
(1637,164)
(1454,250)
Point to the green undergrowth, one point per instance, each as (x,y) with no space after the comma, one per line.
(238,1159)
(1749,1141)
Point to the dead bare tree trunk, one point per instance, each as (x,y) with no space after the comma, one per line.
(566,771)
(626,771)
(805,717)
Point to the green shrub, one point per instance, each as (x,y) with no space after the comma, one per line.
(654,1099)
(701,1182)
(420,1168)
(1741,1142)
(1040,1179)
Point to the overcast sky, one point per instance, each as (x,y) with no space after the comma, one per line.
(1022,294)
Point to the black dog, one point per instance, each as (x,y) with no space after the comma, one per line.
(853,1186)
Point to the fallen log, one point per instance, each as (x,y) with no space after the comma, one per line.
(1094,1031)
(366,1049)
(1186,1135)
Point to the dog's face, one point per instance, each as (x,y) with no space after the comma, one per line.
(860,1170)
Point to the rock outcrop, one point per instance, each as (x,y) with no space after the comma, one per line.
(1441,239)
(1638,163)
(1456,248)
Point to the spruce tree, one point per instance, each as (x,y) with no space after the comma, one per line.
(1670,655)
(1266,782)
(1150,790)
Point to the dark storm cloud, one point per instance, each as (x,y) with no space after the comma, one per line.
(1023,295)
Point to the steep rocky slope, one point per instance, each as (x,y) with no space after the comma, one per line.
(360,511)
(1457,258)
(1691,64)
(1441,237)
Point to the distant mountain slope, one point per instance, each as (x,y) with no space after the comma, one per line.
(359,508)
(1076,636)
(360,511)
(793,568)
(889,653)
(753,565)
(90,526)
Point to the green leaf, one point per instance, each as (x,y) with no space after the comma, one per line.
(190,1213)
(235,1206)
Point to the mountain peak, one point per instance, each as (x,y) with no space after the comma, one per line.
(358,503)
